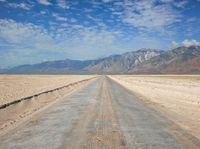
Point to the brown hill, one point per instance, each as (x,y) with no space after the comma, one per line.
(180,60)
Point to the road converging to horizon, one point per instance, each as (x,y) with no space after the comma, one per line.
(101,115)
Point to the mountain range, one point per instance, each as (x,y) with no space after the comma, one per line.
(181,60)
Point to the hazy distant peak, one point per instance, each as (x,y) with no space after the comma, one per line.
(179,60)
(145,50)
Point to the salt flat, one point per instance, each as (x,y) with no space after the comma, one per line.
(14,87)
(24,95)
(177,96)
(102,114)
(114,112)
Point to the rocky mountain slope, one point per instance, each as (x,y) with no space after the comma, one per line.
(178,60)
(123,63)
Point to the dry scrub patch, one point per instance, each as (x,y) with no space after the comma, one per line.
(178,96)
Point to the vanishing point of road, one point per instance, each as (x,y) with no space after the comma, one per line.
(101,115)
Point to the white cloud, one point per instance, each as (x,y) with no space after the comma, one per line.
(146,14)
(175,44)
(29,43)
(62,4)
(186,43)
(26,43)
(42,12)
(44,2)
(88,10)
(167,1)
(58,17)
(92,44)
(180,4)
(73,20)
(20,5)
(107,1)
(28,35)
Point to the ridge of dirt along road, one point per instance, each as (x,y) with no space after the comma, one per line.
(102,115)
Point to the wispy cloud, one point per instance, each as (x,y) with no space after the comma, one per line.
(26,41)
(58,17)
(146,14)
(23,34)
(62,4)
(167,1)
(186,43)
(44,2)
(23,40)
(180,4)
(42,12)
(107,1)
(88,29)
(25,6)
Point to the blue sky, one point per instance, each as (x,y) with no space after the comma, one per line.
(33,31)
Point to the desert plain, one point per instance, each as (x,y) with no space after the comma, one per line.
(114,111)
(177,96)
(17,87)
(13,87)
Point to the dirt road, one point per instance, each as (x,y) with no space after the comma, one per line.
(102,115)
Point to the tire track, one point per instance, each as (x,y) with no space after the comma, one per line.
(106,132)
(75,138)
(97,128)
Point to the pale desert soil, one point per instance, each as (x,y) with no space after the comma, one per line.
(177,96)
(14,87)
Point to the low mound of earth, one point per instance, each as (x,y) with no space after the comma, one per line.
(177,96)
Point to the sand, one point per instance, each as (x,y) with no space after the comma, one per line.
(14,87)
(178,97)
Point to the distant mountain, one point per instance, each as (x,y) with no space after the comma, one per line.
(123,63)
(54,67)
(2,70)
(179,60)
